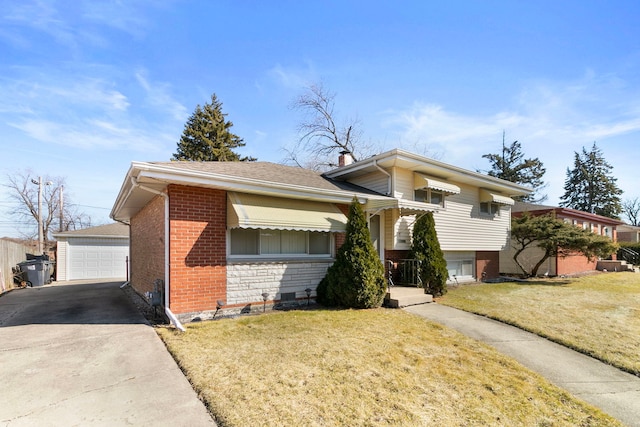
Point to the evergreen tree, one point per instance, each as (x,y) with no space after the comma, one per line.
(512,166)
(590,187)
(356,278)
(207,136)
(425,247)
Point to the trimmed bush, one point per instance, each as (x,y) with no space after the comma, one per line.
(425,247)
(356,279)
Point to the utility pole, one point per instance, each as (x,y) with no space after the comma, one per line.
(40,224)
(61,209)
(40,228)
(504,162)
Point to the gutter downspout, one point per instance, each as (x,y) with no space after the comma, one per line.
(375,164)
(172,317)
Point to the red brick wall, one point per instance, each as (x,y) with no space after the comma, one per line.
(574,264)
(341,237)
(198,272)
(147,246)
(394,256)
(487,262)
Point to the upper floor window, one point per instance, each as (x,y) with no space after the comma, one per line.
(491,202)
(427,195)
(489,208)
(429,190)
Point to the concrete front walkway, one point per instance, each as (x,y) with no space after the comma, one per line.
(615,392)
(82,355)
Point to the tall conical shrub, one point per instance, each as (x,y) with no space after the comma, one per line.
(426,248)
(356,278)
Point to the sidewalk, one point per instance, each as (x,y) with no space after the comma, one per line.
(613,391)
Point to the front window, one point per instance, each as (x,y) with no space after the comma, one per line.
(269,243)
(427,195)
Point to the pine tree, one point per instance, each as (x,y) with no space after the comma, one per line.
(590,187)
(207,136)
(356,278)
(511,166)
(425,247)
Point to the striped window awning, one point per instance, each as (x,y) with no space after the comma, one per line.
(405,207)
(490,197)
(266,212)
(423,181)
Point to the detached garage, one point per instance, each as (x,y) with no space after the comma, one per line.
(93,253)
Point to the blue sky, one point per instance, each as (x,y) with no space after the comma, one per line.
(89,86)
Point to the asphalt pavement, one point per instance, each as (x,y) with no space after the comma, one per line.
(613,391)
(80,354)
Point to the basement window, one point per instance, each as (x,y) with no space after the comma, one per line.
(287,296)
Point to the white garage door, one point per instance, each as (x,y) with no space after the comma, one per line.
(97,258)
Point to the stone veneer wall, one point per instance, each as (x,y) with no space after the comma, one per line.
(247,281)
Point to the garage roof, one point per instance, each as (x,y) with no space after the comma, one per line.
(115,230)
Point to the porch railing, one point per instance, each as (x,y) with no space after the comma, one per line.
(405,272)
(629,255)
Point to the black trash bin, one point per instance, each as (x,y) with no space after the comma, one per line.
(37,271)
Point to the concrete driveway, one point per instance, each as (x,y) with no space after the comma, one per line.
(80,354)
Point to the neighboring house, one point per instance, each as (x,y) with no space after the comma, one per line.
(628,233)
(240,233)
(93,253)
(556,266)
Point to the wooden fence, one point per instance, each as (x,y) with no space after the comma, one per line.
(11,253)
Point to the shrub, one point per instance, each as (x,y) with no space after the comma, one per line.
(425,247)
(356,278)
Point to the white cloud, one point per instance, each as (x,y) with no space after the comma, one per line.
(36,92)
(121,15)
(87,113)
(41,16)
(292,77)
(551,120)
(92,134)
(158,95)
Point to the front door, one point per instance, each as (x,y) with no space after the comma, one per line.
(375,228)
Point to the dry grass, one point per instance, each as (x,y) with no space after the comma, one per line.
(362,368)
(598,315)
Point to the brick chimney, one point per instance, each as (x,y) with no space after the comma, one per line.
(345,158)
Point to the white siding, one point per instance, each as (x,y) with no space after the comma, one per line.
(460,226)
(403,184)
(247,281)
(402,229)
(376,181)
(61,260)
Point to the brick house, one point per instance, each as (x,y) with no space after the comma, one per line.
(239,233)
(558,266)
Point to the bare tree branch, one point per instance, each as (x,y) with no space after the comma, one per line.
(321,138)
(631,209)
(24,193)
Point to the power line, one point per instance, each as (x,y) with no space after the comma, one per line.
(93,207)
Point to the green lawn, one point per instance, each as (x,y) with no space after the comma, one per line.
(598,315)
(362,368)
